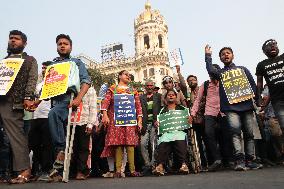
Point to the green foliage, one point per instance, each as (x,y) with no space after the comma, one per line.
(98,79)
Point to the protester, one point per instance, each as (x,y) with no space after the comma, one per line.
(88,118)
(18,98)
(240,115)
(39,135)
(59,112)
(168,84)
(172,141)
(120,137)
(272,70)
(198,122)
(217,134)
(151,106)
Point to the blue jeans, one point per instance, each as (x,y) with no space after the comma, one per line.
(238,122)
(57,119)
(278,107)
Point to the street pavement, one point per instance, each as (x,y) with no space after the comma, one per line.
(267,178)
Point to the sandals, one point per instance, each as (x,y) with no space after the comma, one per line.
(21,179)
(159,171)
(135,174)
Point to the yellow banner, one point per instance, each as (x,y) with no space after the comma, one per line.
(9,69)
(55,80)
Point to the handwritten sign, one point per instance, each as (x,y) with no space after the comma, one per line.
(9,69)
(173,120)
(55,80)
(236,86)
(124,110)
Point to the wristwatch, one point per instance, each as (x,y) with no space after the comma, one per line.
(28,98)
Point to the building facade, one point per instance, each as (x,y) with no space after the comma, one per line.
(151,60)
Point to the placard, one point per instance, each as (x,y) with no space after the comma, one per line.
(236,86)
(124,110)
(9,69)
(173,120)
(55,80)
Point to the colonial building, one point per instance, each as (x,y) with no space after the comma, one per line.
(151,59)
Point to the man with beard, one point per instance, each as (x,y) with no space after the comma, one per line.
(240,114)
(197,124)
(151,106)
(12,105)
(59,112)
(272,70)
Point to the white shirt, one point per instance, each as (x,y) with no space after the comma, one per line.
(44,107)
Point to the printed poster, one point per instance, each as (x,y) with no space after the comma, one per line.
(9,69)
(173,120)
(55,80)
(78,112)
(236,86)
(124,110)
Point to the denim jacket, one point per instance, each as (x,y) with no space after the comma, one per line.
(224,103)
(83,73)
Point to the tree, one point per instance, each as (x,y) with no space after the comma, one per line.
(98,79)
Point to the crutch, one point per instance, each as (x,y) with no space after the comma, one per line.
(69,143)
(196,153)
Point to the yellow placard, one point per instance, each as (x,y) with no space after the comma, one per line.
(9,69)
(55,80)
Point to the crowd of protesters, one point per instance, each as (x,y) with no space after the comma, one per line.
(238,135)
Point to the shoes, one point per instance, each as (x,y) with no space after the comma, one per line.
(80,176)
(43,177)
(147,170)
(253,165)
(22,178)
(184,169)
(215,166)
(159,171)
(203,169)
(135,174)
(108,175)
(240,166)
(54,176)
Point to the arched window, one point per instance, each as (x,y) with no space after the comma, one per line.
(146,42)
(145,73)
(151,72)
(160,41)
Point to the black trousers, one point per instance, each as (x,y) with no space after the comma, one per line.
(41,145)
(200,137)
(80,151)
(178,147)
(99,165)
(218,138)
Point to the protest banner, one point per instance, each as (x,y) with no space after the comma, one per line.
(56,80)
(9,69)
(236,86)
(124,110)
(173,120)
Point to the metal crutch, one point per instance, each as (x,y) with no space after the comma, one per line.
(69,143)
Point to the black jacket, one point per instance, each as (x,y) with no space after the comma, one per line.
(25,82)
(156,107)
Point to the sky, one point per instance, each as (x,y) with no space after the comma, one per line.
(242,25)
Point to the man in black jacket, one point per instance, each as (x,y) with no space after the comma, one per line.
(13,103)
(151,106)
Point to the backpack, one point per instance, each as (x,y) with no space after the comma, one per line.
(199,118)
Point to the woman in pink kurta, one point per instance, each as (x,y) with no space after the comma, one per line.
(118,137)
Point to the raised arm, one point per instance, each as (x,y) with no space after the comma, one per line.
(208,59)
